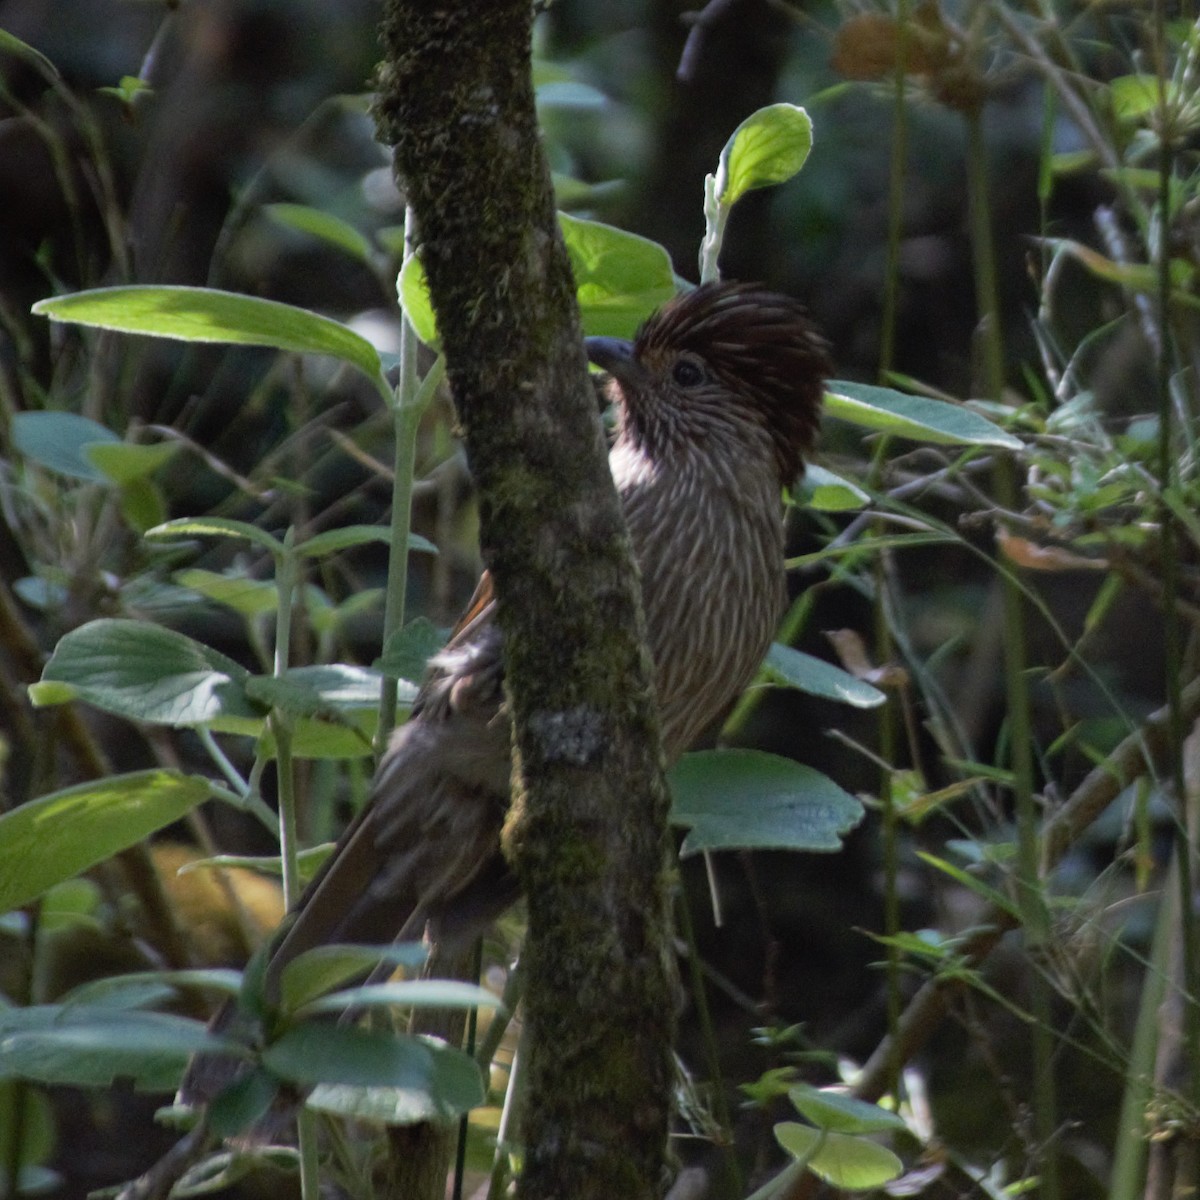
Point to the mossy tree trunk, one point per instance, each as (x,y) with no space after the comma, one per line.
(587,831)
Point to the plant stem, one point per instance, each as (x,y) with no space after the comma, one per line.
(711,1051)
(1168,524)
(407,417)
(1034,918)
(884,647)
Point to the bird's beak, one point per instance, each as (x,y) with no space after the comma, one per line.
(614,355)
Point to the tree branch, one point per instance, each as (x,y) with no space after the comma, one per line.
(587,831)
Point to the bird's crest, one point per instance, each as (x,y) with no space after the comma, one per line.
(761,345)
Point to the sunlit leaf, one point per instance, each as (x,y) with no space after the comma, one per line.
(768,147)
(55,837)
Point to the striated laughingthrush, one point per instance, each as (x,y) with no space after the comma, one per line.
(717,402)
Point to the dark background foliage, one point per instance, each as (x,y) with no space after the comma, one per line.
(258,102)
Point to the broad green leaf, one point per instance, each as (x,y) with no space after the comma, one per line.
(823,490)
(853,1163)
(817,677)
(142,505)
(357,535)
(317,972)
(409,649)
(125,462)
(315,1052)
(193,314)
(748,800)
(446,1086)
(96,1046)
(71,903)
(915,417)
(243,1102)
(186,527)
(768,147)
(408,993)
(129,991)
(333,736)
(413,289)
(336,706)
(841,1114)
(325,226)
(620,278)
(58,440)
(57,836)
(1136,96)
(249,597)
(338,685)
(147,673)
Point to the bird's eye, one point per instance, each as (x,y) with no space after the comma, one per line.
(687,373)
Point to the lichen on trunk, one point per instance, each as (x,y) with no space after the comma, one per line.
(587,830)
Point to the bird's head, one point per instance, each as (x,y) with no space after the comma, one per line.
(725,361)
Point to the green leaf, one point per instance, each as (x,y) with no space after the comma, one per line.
(1135,96)
(128,89)
(317,972)
(194,314)
(125,462)
(768,147)
(336,706)
(827,492)
(971,883)
(748,800)
(846,1162)
(620,278)
(413,287)
(915,417)
(409,649)
(817,677)
(340,686)
(129,991)
(441,1087)
(325,226)
(58,440)
(142,505)
(96,1046)
(313,1053)
(214,527)
(249,597)
(842,1114)
(147,673)
(408,993)
(57,836)
(358,535)
(309,861)
(13,45)
(243,1102)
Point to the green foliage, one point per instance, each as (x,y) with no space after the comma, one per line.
(57,836)
(908,513)
(745,799)
(193,314)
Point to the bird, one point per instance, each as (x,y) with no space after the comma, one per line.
(717,403)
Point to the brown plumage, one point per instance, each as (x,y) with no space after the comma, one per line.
(718,400)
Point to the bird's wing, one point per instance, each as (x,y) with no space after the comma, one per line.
(426,844)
